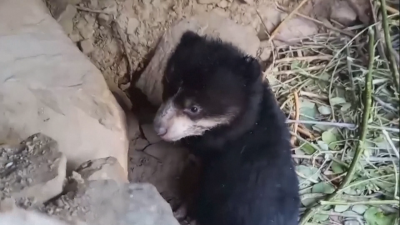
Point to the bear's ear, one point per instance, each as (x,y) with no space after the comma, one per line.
(189,38)
(250,68)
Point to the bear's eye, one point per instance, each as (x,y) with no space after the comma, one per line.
(193,110)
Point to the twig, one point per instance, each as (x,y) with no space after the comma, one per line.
(371,202)
(371,159)
(378,27)
(389,47)
(336,124)
(305,58)
(297,115)
(305,132)
(313,95)
(275,32)
(363,132)
(272,44)
(342,125)
(390,9)
(385,133)
(350,34)
(353,86)
(384,104)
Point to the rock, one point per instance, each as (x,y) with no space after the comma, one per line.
(105,202)
(85,29)
(86,46)
(140,144)
(133,24)
(104,19)
(161,164)
(66,19)
(271,18)
(150,134)
(208,1)
(205,24)
(34,170)
(248,1)
(74,2)
(265,54)
(51,87)
(362,9)
(223,4)
(94,3)
(102,169)
(220,12)
(296,28)
(343,13)
(13,215)
(75,36)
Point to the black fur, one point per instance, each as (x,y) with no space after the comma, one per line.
(248,177)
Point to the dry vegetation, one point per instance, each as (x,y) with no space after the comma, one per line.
(341,94)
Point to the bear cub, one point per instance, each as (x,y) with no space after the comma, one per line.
(215,102)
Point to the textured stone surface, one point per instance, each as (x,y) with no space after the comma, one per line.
(102,169)
(47,85)
(32,172)
(105,202)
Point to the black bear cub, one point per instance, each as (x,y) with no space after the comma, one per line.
(215,102)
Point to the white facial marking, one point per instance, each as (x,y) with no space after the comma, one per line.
(179,125)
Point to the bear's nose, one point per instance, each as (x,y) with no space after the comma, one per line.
(160,130)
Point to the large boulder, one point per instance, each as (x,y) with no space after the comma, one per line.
(47,85)
(105,202)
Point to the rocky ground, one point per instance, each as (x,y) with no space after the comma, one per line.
(34,176)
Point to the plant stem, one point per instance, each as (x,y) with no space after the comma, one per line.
(371,202)
(363,132)
(389,47)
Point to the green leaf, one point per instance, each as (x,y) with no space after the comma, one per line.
(321,128)
(307,148)
(295,65)
(330,137)
(337,168)
(322,84)
(341,208)
(381,142)
(310,198)
(374,216)
(273,81)
(323,146)
(337,101)
(323,187)
(309,172)
(308,111)
(325,110)
(360,209)
(345,107)
(318,218)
